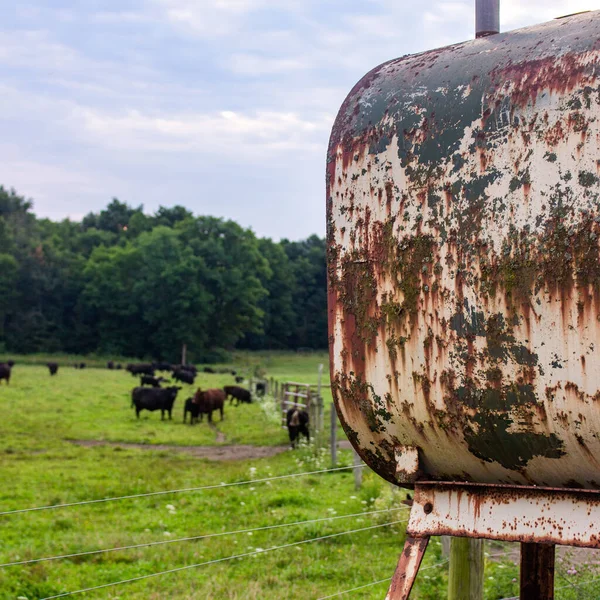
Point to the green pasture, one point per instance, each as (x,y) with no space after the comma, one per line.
(41,464)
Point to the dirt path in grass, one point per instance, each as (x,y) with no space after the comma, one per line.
(241,452)
(220,437)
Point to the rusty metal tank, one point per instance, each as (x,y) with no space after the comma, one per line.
(463,206)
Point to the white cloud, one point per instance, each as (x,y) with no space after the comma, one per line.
(33,49)
(200,87)
(255,65)
(516,13)
(210,18)
(216,18)
(122,17)
(447,14)
(253,135)
(46,182)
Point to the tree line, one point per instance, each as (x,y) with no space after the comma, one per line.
(125,283)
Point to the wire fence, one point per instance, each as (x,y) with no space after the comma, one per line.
(571,584)
(388,579)
(177,491)
(380,581)
(220,560)
(197,537)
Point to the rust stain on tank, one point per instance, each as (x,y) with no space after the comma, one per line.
(464,276)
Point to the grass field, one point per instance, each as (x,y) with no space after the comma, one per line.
(41,464)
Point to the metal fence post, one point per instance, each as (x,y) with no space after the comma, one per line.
(537,571)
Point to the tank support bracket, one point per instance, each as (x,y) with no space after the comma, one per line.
(538,518)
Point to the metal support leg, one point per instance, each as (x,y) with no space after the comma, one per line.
(407,569)
(537,571)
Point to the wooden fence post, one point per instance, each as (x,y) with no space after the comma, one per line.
(282,401)
(184,354)
(333,438)
(320,380)
(465,580)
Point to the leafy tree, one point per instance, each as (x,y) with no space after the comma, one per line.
(234,270)
(136,284)
(9,270)
(113,218)
(277,305)
(109,296)
(310,294)
(169,286)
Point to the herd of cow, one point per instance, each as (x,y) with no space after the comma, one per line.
(203,402)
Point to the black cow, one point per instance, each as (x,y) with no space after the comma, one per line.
(187,368)
(119,367)
(10,363)
(297,423)
(184,376)
(191,408)
(153,381)
(238,393)
(154,399)
(141,369)
(5,372)
(110,365)
(239,379)
(208,370)
(162,366)
(261,388)
(52,367)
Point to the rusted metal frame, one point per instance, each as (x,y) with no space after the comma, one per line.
(408,568)
(537,571)
(569,517)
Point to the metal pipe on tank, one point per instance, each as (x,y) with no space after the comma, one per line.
(487,17)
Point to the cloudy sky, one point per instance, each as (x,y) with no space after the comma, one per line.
(223,106)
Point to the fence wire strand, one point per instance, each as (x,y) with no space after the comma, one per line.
(387,579)
(196,537)
(219,560)
(571,584)
(178,491)
(440,564)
